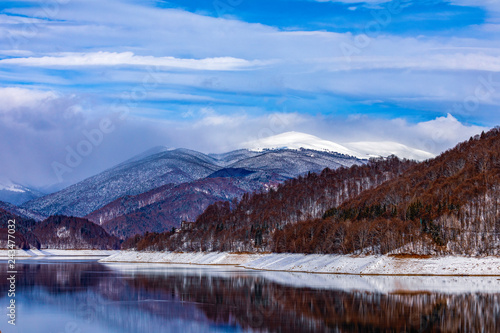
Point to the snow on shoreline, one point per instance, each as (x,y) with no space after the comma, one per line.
(57,253)
(315,263)
(312,263)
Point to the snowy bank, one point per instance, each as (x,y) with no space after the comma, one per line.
(315,263)
(197,258)
(57,253)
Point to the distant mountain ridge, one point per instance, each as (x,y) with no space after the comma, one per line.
(131,178)
(17,194)
(156,190)
(163,166)
(362,150)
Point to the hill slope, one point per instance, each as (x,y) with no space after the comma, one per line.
(17,194)
(63,232)
(129,178)
(24,237)
(183,202)
(224,227)
(174,167)
(56,232)
(22,212)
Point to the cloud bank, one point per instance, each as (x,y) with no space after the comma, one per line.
(425,74)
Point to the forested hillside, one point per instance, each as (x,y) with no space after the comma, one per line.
(167,206)
(56,232)
(445,205)
(226,226)
(24,237)
(63,232)
(451,201)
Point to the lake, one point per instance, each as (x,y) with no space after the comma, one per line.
(73,296)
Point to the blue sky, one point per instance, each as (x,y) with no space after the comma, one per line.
(211,75)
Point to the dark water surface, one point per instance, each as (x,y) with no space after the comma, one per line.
(86,296)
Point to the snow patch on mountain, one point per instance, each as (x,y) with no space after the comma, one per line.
(13,188)
(297,140)
(387,148)
(17,194)
(362,150)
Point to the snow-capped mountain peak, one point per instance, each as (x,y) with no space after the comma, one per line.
(363,150)
(12,188)
(297,140)
(368,149)
(16,194)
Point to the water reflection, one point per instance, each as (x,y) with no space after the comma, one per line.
(90,297)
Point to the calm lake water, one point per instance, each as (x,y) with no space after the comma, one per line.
(55,296)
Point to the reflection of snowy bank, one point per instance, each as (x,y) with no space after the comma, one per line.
(359,265)
(57,253)
(343,282)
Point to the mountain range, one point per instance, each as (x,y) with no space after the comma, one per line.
(158,189)
(156,192)
(17,194)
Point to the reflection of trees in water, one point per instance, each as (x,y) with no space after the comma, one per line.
(94,292)
(253,302)
(57,277)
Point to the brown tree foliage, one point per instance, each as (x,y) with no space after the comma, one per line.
(66,232)
(248,225)
(24,237)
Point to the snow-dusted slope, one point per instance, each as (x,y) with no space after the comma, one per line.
(387,148)
(363,150)
(16,194)
(161,166)
(294,162)
(287,155)
(22,212)
(297,140)
(130,178)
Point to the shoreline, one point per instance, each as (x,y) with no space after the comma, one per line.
(374,265)
(44,253)
(323,264)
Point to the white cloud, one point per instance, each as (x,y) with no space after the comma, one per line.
(445,61)
(12,98)
(128,58)
(447,131)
